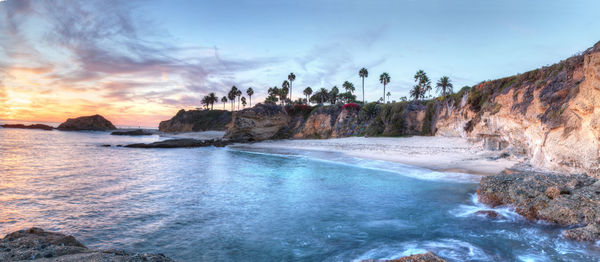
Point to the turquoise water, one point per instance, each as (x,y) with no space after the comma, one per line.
(223,204)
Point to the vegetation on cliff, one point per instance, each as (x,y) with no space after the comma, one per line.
(196,120)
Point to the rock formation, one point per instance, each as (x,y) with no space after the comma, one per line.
(426,257)
(21,126)
(93,123)
(262,122)
(39,245)
(568,200)
(182,142)
(196,120)
(137,132)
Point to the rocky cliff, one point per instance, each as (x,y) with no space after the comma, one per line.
(538,115)
(196,120)
(549,115)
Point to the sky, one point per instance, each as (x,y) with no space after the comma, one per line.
(138,62)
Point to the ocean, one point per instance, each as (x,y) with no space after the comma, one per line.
(227,204)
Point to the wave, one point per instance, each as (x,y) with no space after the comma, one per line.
(477,208)
(450,249)
(378,165)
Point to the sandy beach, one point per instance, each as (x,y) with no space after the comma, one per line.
(449,154)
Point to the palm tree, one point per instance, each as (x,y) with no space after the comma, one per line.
(384,79)
(243,102)
(205,101)
(307,92)
(238,93)
(231,95)
(363,73)
(388,95)
(291,77)
(250,92)
(333,94)
(423,83)
(224,100)
(444,85)
(285,90)
(415,92)
(349,87)
(212,98)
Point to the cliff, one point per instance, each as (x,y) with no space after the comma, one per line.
(549,115)
(196,120)
(538,115)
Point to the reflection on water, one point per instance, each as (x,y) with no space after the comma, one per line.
(223,204)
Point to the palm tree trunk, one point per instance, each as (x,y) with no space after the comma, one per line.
(250,100)
(383,92)
(363,89)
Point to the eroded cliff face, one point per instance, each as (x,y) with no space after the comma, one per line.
(549,115)
(261,122)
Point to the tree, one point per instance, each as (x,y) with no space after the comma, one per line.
(250,92)
(273,94)
(347,97)
(292,78)
(238,93)
(244,102)
(320,97)
(205,102)
(388,96)
(333,95)
(349,87)
(284,91)
(224,100)
(403,99)
(384,79)
(423,84)
(415,93)
(363,73)
(307,92)
(231,95)
(444,85)
(212,98)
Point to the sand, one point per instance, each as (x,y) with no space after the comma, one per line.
(447,154)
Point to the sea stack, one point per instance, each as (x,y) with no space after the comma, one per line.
(93,123)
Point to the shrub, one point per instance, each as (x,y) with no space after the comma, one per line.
(350,106)
(299,109)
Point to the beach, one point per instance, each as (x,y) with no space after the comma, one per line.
(447,154)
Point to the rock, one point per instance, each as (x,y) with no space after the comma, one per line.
(261,122)
(426,257)
(137,132)
(568,200)
(490,214)
(35,243)
(93,123)
(196,120)
(183,142)
(21,126)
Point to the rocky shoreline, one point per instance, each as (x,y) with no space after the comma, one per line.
(34,126)
(572,201)
(39,245)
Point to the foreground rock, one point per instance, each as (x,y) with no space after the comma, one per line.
(137,132)
(93,123)
(35,243)
(196,121)
(35,126)
(262,122)
(183,142)
(568,200)
(427,257)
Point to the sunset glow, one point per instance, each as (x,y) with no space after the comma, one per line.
(137,64)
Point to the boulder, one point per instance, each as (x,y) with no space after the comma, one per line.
(568,200)
(21,126)
(261,122)
(37,244)
(426,257)
(93,123)
(489,214)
